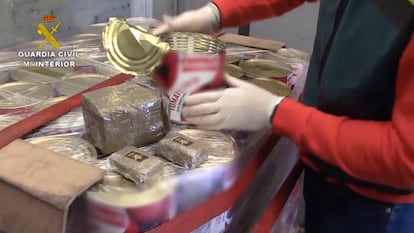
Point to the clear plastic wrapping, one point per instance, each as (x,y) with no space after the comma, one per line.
(183,150)
(124,115)
(137,165)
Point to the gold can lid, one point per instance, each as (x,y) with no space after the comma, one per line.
(266,68)
(274,86)
(132,49)
(17,95)
(234,70)
(75,148)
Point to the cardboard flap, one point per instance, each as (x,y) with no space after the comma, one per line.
(48,176)
(252,42)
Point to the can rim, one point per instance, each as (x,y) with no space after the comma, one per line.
(34,85)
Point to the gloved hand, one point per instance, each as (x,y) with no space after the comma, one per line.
(242,106)
(205,19)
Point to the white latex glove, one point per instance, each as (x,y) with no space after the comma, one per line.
(242,106)
(205,19)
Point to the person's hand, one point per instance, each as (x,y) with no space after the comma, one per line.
(242,106)
(205,19)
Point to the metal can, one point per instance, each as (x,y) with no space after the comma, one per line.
(195,63)
(74,84)
(20,97)
(73,147)
(127,209)
(8,120)
(21,75)
(265,68)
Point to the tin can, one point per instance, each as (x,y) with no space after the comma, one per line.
(126,209)
(8,120)
(21,75)
(47,103)
(74,84)
(265,68)
(182,63)
(195,63)
(274,86)
(21,97)
(75,148)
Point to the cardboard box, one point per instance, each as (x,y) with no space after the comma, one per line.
(39,189)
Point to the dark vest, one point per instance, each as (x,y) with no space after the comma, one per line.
(356,54)
(355,62)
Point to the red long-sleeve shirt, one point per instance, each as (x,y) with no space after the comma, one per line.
(385,149)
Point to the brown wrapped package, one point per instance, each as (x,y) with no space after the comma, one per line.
(183,150)
(124,115)
(137,165)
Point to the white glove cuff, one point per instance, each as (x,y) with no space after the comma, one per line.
(273,108)
(217,18)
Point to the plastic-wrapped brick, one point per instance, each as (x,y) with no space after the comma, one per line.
(137,165)
(124,115)
(183,150)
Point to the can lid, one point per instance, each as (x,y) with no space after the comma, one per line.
(74,84)
(16,95)
(75,148)
(133,196)
(132,49)
(274,86)
(52,101)
(266,68)
(7,120)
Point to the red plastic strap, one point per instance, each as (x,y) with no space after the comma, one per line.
(35,121)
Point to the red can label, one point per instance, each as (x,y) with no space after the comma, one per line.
(182,74)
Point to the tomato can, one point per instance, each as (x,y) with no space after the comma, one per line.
(195,63)
(121,207)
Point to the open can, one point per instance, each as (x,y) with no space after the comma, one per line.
(195,63)
(182,63)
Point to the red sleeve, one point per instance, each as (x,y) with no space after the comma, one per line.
(234,13)
(380,152)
